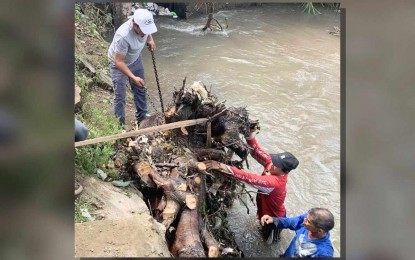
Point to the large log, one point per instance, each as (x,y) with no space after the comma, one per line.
(144,169)
(187,242)
(170,212)
(175,197)
(210,242)
(171,185)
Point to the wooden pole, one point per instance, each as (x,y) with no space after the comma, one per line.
(143,131)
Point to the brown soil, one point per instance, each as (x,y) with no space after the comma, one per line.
(123,226)
(138,236)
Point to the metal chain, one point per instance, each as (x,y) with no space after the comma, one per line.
(151,101)
(157,80)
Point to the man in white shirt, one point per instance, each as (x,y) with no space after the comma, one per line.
(124,55)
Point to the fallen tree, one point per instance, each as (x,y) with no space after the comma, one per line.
(167,166)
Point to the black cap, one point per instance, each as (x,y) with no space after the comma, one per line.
(286,161)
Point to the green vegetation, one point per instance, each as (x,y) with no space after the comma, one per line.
(96,111)
(80,79)
(97,116)
(78,13)
(92,157)
(100,123)
(99,16)
(82,206)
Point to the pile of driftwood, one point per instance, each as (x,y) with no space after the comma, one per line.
(214,26)
(169,167)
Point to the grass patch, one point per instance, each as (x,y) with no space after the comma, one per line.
(81,79)
(100,123)
(97,112)
(82,205)
(92,157)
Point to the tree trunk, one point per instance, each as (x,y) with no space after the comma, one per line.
(210,242)
(174,195)
(121,11)
(143,170)
(187,242)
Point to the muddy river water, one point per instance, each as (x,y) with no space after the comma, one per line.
(284,66)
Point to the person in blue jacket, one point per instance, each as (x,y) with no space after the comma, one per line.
(312,236)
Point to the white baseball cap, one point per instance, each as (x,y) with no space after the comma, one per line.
(144,19)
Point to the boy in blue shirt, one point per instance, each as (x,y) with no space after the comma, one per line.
(312,237)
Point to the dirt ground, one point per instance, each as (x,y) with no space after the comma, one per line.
(122,225)
(137,236)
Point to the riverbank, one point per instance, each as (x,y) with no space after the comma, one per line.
(105,214)
(281,56)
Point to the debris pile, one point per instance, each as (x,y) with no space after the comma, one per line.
(168,167)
